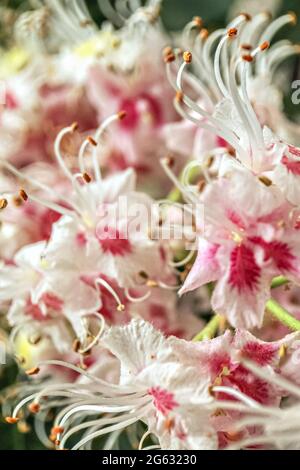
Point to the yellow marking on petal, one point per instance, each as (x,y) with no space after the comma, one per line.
(282,351)
(44,263)
(225,371)
(237,238)
(25,350)
(13,61)
(99,45)
(88,221)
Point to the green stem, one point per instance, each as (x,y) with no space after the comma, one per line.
(279,281)
(175,194)
(282,315)
(210,330)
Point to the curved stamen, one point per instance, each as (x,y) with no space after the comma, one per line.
(137,299)
(128,420)
(237,394)
(103,283)
(270,32)
(97,138)
(98,335)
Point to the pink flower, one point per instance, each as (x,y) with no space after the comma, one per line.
(220,359)
(247,240)
(36,109)
(145,94)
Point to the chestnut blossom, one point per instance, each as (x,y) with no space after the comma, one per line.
(275,424)
(247,122)
(36,108)
(172,399)
(92,274)
(248,239)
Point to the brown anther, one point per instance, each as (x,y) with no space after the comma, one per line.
(18,201)
(74,127)
(246,47)
(266,181)
(57,442)
(92,141)
(23,427)
(201,185)
(122,115)
(33,371)
(168,58)
(179,96)
(34,408)
(57,430)
(86,178)
(34,339)
(293,16)
(86,353)
(121,308)
(209,162)
(86,22)
(282,351)
(76,345)
(23,195)
(219,412)
(187,57)
(11,420)
(170,161)
(232,32)
(143,275)
(169,424)
(247,57)
(204,33)
(3,203)
(233,436)
(265,45)
(198,21)
(152,283)
(167,50)
(211,390)
(247,16)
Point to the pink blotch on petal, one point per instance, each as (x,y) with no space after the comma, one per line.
(294,150)
(48,218)
(11,101)
(235,218)
(222,142)
(134,107)
(291,165)
(113,242)
(81,239)
(261,353)
(244,271)
(163,400)
(217,362)
(277,251)
(34,311)
(52,301)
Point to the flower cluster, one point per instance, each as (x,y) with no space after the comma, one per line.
(180,342)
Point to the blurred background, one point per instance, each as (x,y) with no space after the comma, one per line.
(175,14)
